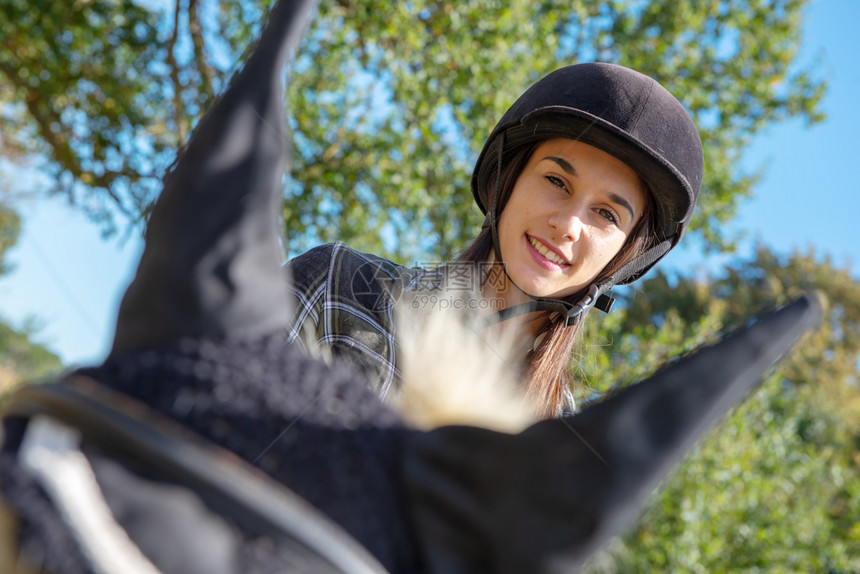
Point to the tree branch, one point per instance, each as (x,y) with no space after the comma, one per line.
(196,27)
(178,106)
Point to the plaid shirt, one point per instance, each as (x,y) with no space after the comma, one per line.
(345,306)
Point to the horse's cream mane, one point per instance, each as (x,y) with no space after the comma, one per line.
(456,372)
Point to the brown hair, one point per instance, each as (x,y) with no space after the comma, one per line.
(547,374)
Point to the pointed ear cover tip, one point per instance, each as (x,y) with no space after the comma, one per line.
(816,300)
(811,304)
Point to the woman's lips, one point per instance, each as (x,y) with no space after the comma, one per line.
(548,259)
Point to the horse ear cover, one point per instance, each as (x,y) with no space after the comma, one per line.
(544,500)
(211,265)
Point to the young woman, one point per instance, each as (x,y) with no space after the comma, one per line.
(586,182)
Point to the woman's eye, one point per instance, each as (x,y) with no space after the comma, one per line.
(607,215)
(556,181)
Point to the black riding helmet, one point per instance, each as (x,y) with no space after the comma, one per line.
(624,113)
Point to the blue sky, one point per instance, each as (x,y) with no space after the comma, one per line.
(69,280)
(809,195)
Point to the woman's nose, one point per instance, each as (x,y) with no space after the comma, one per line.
(568,223)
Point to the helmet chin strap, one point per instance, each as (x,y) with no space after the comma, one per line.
(573,313)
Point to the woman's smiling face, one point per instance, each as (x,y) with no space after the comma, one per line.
(570,212)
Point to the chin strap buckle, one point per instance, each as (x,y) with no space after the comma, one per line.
(605,302)
(594,298)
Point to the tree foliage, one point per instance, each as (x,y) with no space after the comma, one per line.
(80,88)
(449,70)
(10,228)
(20,358)
(390,101)
(776,486)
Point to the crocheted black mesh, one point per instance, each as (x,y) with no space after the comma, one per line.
(318,429)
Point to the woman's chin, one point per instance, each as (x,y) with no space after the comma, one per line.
(537,288)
